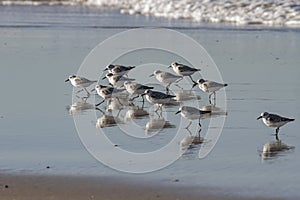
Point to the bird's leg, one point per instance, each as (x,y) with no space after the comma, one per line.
(167,88)
(277,131)
(100,103)
(157,109)
(118,113)
(209,99)
(134,98)
(187,127)
(86,91)
(214,96)
(143,102)
(79,91)
(192,79)
(199,122)
(178,86)
(199,133)
(100,110)
(119,101)
(276,136)
(189,132)
(209,96)
(143,99)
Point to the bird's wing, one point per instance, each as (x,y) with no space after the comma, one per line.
(143,87)
(167,75)
(160,95)
(108,90)
(213,84)
(277,118)
(183,68)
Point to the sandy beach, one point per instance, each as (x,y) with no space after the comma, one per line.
(41,46)
(77,188)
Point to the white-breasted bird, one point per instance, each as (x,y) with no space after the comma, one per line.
(209,87)
(118,69)
(107,92)
(80,82)
(192,113)
(134,88)
(158,98)
(184,70)
(117,80)
(166,78)
(274,120)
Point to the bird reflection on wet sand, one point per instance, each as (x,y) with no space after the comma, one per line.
(155,125)
(190,142)
(185,95)
(80,107)
(135,113)
(108,119)
(275,149)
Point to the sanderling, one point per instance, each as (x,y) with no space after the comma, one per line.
(136,88)
(191,113)
(118,69)
(117,80)
(107,92)
(274,121)
(80,82)
(158,98)
(209,87)
(184,70)
(166,78)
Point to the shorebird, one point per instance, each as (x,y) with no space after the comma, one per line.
(184,70)
(80,82)
(209,87)
(117,80)
(191,113)
(274,121)
(158,98)
(166,78)
(107,92)
(136,88)
(118,69)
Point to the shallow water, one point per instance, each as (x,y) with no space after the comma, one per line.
(38,50)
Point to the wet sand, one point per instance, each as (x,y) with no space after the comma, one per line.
(70,187)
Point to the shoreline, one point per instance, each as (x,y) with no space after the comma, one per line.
(80,187)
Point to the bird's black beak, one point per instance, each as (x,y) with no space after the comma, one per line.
(194,84)
(105,69)
(104,78)
(143,94)
(151,75)
(170,66)
(67,80)
(259,117)
(177,112)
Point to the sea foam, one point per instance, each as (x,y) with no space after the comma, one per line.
(239,12)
